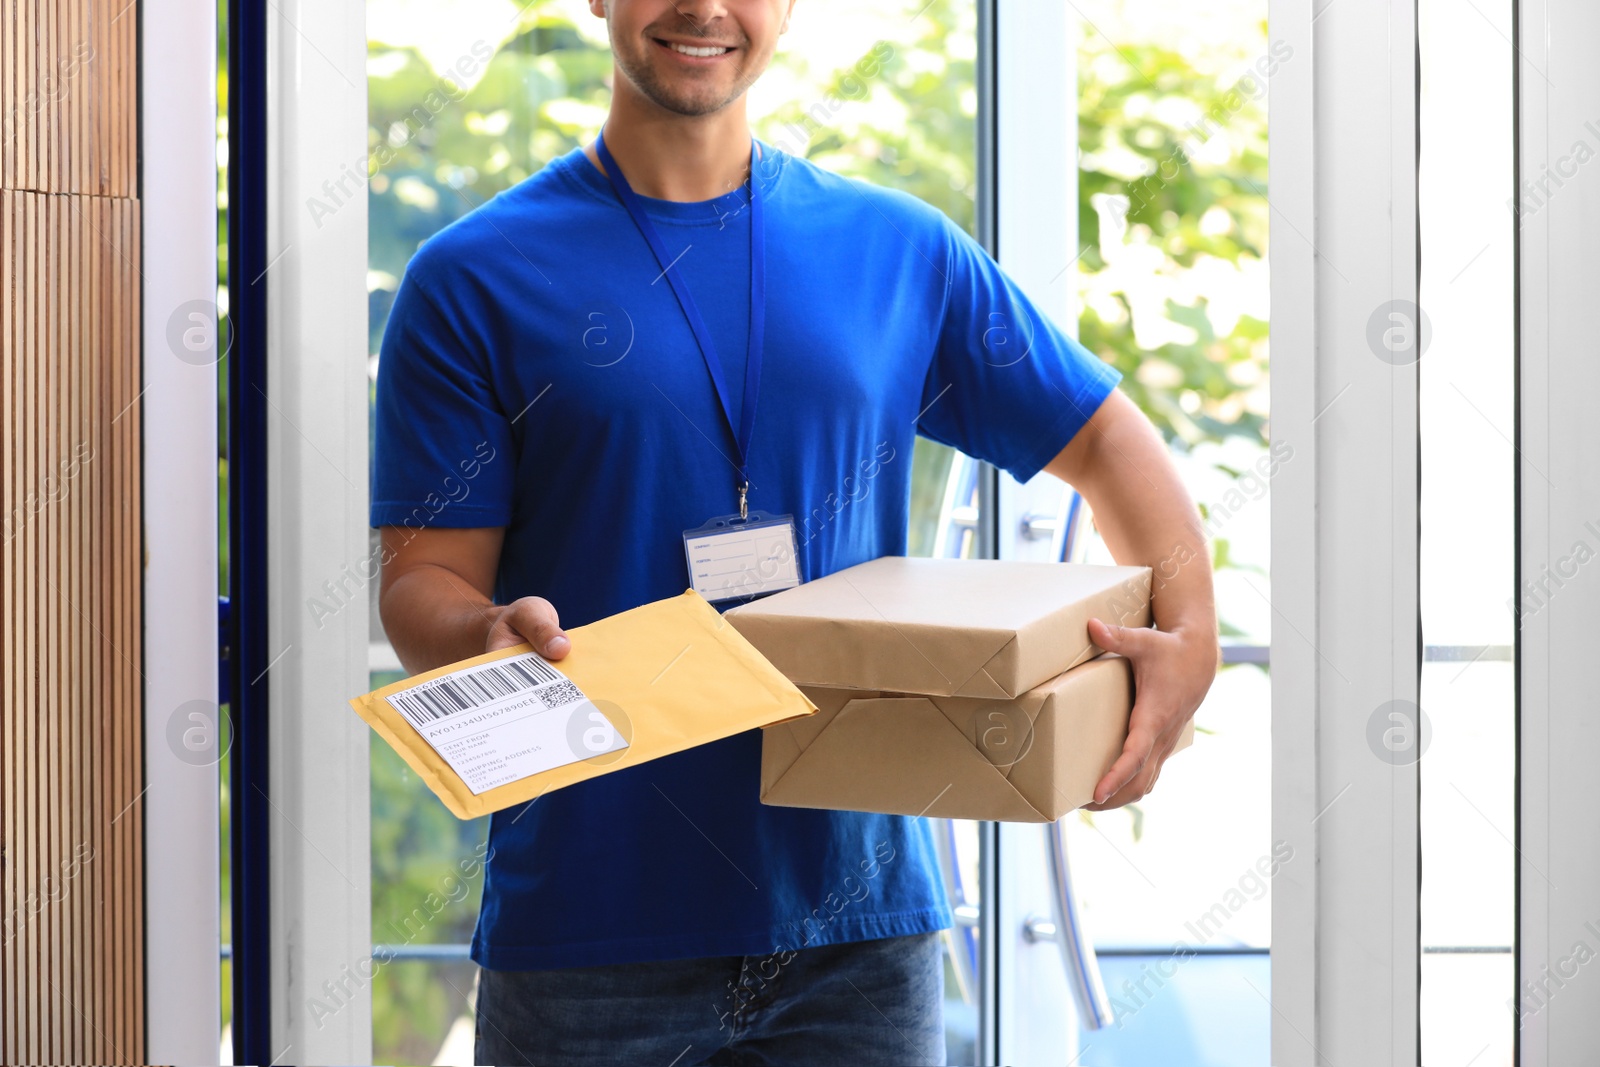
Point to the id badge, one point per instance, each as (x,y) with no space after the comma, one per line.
(739,559)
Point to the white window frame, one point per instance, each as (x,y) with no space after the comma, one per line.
(1034,182)
(320,852)
(1343,242)
(321,925)
(1558,872)
(1342,135)
(178,179)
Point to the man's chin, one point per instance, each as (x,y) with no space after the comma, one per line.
(688,96)
(686,103)
(696,109)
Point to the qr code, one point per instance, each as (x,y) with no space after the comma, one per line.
(558,694)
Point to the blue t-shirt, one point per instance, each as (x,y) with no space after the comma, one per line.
(537,373)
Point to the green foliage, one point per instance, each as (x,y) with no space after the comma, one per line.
(930,471)
(421,894)
(1151,131)
(903,115)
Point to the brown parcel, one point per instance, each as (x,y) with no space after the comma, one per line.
(1032,759)
(942,627)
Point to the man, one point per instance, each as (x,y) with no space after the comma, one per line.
(549,423)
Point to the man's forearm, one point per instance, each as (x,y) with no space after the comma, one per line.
(1121,466)
(1142,509)
(433,617)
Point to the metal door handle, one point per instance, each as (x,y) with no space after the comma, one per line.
(963,939)
(1066,930)
(1036,526)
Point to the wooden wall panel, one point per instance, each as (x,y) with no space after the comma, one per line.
(71,738)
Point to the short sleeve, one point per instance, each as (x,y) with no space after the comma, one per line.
(442,450)
(1005,384)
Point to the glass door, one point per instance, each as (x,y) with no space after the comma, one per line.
(1154,918)
(1267,903)
(971,107)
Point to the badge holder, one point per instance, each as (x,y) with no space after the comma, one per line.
(735,560)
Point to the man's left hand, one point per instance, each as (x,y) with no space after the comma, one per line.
(1171,674)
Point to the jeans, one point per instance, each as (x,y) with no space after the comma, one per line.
(858,1003)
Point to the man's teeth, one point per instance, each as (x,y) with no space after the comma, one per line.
(688,51)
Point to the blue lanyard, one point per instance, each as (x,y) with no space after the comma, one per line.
(758,306)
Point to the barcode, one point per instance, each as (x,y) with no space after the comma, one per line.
(559,694)
(488,684)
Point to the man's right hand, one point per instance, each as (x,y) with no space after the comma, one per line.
(437,605)
(532,619)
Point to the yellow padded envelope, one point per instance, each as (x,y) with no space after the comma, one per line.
(670,675)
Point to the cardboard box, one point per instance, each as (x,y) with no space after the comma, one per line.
(942,627)
(1032,759)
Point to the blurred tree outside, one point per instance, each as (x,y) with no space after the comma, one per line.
(1173,214)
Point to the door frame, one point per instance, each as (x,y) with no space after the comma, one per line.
(1558,504)
(1346,625)
(316,358)
(1028,221)
(301,917)
(178,186)
(1342,597)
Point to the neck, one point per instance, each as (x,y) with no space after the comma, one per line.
(676,157)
